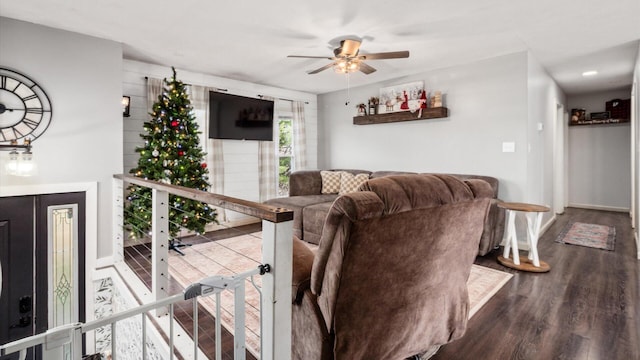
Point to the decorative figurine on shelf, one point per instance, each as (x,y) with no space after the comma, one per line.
(362,109)
(373,105)
(423,99)
(578,115)
(391,103)
(405,103)
(437,99)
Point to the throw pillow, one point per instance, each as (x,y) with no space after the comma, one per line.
(350,183)
(330,181)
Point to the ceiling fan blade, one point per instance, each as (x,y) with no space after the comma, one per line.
(320,69)
(367,69)
(385,55)
(348,48)
(311,57)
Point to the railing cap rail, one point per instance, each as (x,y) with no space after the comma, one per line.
(261,211)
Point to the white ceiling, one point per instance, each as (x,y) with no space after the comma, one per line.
(249,40)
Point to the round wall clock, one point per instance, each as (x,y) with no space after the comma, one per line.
(25,109)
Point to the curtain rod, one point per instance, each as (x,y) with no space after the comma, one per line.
(261,96)
(225,90)
(215,88)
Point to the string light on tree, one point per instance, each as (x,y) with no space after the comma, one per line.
(172,137)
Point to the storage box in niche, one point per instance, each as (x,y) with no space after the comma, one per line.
(619,109)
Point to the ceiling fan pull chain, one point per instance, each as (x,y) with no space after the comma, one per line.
(348,92)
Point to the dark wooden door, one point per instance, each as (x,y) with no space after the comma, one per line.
(17,298)
(25,252)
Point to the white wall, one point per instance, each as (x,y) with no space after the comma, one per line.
(543,96)
(487,103)
(83,77)
(599,157)
(240,157)
(635,141)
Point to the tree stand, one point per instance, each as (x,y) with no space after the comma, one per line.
(175,245)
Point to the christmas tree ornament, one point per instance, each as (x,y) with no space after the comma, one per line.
(181,165)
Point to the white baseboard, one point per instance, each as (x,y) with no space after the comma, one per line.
(547,225)
(599,207)
(104,262)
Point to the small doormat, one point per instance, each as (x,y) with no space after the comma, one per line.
(589,235)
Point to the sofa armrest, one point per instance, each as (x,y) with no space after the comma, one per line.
(302,264)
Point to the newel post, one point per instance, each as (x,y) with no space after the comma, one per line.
(159,248)
(277,249)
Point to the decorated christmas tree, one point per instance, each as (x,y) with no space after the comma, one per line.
(171,154)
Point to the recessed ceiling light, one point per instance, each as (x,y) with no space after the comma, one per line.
(590,73)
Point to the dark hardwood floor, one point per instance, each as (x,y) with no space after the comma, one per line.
(587,307)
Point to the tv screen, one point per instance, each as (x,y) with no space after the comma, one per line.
(240,118)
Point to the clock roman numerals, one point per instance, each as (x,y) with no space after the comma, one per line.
(25,107)
(30,123)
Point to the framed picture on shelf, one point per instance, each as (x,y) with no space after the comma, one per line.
(577,115)
(600,115)
(400,97)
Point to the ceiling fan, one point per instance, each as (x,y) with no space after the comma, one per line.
(347,60)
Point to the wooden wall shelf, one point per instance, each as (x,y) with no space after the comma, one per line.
(599,122)
(429,113)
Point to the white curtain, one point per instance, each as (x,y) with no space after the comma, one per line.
(154,89)
(267,167)
(213,147)
(299,137)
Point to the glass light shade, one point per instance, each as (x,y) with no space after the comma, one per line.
(21,164)
(12,165)
(346,66)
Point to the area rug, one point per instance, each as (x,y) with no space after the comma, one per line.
(241,253)
(589,235)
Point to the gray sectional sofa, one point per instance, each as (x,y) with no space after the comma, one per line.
(310,206)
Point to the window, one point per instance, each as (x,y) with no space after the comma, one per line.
(63,263)
(285,154)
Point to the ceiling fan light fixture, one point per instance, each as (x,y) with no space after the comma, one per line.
(344,66)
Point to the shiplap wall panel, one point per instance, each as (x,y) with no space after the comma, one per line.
(240,157)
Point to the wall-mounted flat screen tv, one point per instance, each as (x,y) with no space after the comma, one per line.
(239,117)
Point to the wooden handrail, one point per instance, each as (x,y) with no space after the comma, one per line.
(261,211)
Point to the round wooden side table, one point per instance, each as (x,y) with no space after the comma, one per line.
(533,214)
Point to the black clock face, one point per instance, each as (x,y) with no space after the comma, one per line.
(25,110)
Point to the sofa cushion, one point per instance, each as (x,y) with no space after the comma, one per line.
(330,181)
(297,203)
(314,216)
(350,183)
(405,192)
(377,174)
